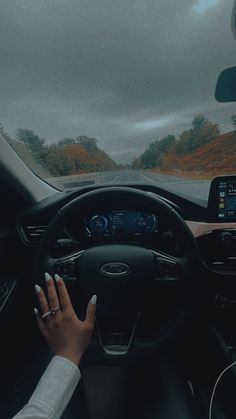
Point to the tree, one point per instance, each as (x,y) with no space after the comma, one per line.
(185,143)
(137,163)
(58,163)
(152,156)
(4,134)
(68,156)
(65,141)
(2,131)
(202,132)
(199,122)
(80,156)
(89,143)
(33,141)
(74,158)
(162,153)
(166,143)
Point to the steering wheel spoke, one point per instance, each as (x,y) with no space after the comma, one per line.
(117,343)
(65,266)
(168,267)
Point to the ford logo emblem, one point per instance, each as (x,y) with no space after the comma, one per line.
(115,269)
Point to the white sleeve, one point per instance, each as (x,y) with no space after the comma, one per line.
(53,391)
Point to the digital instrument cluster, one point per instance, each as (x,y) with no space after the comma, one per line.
(121,222)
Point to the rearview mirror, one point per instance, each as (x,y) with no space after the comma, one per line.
(226,86)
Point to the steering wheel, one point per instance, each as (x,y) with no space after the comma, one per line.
(134,283)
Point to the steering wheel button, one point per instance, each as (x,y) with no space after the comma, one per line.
(167,268)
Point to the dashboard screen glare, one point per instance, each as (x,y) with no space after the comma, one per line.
(133,222)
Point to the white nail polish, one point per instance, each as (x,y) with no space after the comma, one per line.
(37,288)
(47,276)
(36,310)
(57,278)
(93,299)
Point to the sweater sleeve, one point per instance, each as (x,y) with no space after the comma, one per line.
(53,391)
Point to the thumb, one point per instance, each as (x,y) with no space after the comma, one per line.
(91,310)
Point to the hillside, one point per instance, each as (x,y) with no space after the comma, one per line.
(215,158)
(178,154)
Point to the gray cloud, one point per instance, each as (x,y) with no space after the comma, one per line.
(126,72)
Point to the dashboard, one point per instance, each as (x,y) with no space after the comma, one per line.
(215,234)
(125,224)
(133,225)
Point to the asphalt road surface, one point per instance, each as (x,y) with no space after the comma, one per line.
(192,188)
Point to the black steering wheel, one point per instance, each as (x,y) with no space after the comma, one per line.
(144,295)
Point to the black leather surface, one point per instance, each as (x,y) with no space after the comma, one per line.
(151,390)
(148,391)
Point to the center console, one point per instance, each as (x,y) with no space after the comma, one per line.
(218,249)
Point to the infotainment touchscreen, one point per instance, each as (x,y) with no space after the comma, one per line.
(227,200)
(222,199)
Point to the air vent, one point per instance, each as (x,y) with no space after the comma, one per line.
(223,265)
(32,233)
(218,249)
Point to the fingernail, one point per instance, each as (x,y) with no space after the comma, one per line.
(93,299)
(57,277)
(47,276)
(36,310)
(37,288)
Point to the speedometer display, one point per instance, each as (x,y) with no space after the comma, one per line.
(125,221)
(145,222)
(98,224)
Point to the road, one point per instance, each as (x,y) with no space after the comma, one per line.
(194,188)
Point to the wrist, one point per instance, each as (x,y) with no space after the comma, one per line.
(71,357)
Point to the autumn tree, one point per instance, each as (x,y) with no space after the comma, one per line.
(68,156)
(184,143)
(202,132)
(58,163)
(90,144)
(80,156)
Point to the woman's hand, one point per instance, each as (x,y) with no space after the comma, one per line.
(65,334)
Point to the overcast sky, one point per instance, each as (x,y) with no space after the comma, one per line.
(126,72)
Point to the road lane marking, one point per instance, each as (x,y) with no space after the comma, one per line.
(153,181)
(178,180)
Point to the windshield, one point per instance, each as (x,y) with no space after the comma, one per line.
(113,92)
